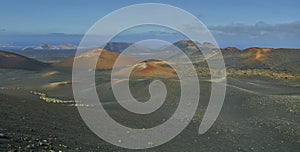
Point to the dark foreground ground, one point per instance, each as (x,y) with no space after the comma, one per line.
(258,115)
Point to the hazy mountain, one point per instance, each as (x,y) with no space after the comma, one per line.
(190,47)
(64,46)
(187,46)
(119,47)
(15,61)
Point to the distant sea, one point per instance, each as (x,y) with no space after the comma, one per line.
(34,40)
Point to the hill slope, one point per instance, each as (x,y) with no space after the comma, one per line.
(263,58)
(15,61)
(106,59)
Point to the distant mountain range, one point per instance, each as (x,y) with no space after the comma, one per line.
(274,59)
(64,46)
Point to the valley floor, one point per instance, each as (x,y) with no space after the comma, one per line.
(257,116)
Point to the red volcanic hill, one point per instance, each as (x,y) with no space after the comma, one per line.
(15,61)
(150,69)
(107,59)
(153,69)
(258,54)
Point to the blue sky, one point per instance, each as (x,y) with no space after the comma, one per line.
(272,24)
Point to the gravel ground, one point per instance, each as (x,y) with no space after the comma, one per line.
(254,118)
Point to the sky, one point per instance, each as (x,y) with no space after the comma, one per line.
(240,23)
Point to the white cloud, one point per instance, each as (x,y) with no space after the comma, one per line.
(259,29)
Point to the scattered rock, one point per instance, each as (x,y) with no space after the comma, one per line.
(150,143)
(2,135)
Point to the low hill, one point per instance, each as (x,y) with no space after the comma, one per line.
(263,58)
(106,59)
(15,61)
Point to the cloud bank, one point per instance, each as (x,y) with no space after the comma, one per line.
(259,34)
